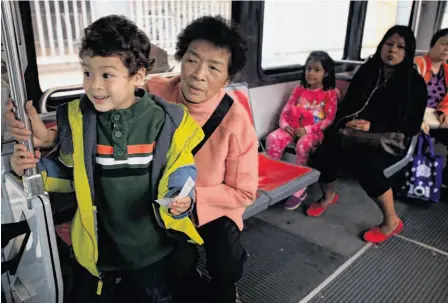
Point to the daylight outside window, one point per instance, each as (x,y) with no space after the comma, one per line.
(58,27)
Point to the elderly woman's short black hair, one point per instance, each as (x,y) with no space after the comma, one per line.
(219,33)
(439,34)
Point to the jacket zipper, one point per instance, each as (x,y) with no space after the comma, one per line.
(100,275)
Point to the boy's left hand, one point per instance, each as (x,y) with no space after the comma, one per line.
(180,206)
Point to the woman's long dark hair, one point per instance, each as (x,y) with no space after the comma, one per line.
(403,73)
(329,81)
(409,40)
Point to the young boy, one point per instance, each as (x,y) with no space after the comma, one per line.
(109,157)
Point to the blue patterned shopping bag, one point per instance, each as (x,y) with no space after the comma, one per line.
(424,173)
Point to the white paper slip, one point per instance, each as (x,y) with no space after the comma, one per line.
(188,186)
(164,201)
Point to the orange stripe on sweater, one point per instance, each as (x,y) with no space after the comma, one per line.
(132,149)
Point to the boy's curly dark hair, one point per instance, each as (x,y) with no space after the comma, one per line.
(116,35)
(216,31)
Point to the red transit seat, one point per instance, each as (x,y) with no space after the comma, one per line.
(277,179)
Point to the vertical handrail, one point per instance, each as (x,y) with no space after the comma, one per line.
(17,81)
(32,181)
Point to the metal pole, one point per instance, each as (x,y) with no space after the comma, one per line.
(32,181)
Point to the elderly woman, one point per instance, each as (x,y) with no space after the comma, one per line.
(227,162)
(434,69)
(386,95)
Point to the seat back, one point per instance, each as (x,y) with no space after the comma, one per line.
(342,86)
(240,92)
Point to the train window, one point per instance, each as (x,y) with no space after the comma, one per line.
(291,30)
(381,15)
(58,27)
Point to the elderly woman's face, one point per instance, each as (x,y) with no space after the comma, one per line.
(440,50)
(204,71)
(393,50)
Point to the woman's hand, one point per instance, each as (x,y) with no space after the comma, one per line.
(425,128)
(443,119)
(42,137)
(363,125)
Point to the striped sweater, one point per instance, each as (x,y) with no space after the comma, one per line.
(128,234)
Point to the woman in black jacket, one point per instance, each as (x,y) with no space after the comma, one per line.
(386,95)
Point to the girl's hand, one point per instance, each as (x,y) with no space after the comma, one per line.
(300,132)
(289,130)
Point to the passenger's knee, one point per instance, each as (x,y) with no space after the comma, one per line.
(374,186)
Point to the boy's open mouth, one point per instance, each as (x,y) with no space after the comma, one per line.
(100,98)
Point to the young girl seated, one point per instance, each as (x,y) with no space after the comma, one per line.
(310,109)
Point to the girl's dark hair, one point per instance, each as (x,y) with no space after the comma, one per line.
(409,40)
(439,34)
(117,36)
(324,58)
(216,31)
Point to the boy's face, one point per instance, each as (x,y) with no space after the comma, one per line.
(108,84)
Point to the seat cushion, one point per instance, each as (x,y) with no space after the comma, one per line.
(274,174)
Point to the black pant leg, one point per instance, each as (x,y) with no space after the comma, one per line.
(225,258)
(85,286)
(149,284)
(185,281)
(369,164)
(327,156)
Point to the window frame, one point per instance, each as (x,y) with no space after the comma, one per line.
(410,24)
(294,70)
(249,17)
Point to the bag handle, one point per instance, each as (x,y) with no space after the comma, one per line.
(427,138)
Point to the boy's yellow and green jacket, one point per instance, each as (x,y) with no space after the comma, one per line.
(74,172)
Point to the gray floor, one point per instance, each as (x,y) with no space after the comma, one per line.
(397,271)
(290,254)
